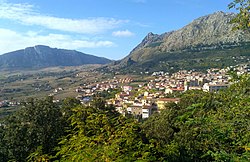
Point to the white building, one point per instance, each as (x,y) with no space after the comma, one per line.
(214,87)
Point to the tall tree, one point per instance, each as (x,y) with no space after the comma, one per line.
(243,17)
(101,134)
(37,124)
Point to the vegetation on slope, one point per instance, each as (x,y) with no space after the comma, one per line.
(192,58)
(202,127)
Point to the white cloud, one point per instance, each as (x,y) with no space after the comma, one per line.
(124,33)
(11,40)
(26,14)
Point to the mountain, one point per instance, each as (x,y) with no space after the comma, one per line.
(43,56)
(208,41)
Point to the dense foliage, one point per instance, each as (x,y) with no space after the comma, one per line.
(205,126)
(101,134)
(201,127)
(37,125)
(243,17)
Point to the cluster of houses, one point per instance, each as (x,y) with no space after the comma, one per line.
(140,103)
(86,91)
(143,100)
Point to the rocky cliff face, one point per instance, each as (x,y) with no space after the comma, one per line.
(43,56)
(207,32)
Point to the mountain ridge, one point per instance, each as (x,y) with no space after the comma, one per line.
(41,56)
(212,32)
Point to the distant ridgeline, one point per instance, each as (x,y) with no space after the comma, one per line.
(207,42)
(44,56)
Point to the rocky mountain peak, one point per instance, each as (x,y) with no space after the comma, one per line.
(150,35)
(150,38)
(210,31)
(213,29)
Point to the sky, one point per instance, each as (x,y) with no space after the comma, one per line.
(105,28)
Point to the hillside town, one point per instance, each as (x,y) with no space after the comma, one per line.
(142,100)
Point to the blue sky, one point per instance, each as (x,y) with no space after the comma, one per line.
(106,28)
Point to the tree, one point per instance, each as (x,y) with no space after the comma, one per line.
(101,134)
(39,123)
(204,126)
(243,17)
(160,130)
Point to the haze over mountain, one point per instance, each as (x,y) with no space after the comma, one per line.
(204,40)
(41,56)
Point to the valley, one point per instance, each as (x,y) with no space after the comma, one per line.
(182,95)
(206,43)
